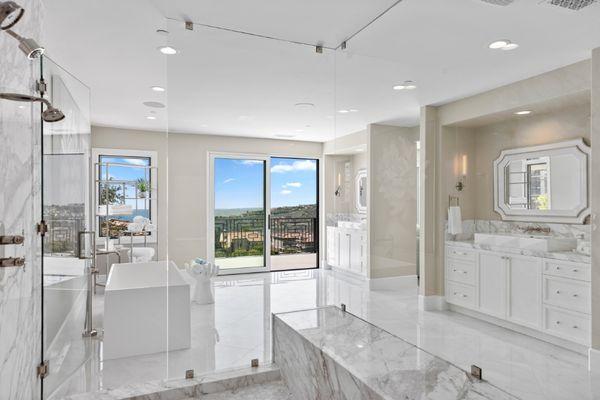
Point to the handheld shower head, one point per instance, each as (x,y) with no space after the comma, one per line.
(51,114)
(28,46)
(10,14)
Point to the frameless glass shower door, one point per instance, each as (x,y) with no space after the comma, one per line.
(67,344)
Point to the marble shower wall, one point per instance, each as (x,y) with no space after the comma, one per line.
(20,210)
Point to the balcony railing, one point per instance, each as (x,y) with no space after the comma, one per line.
(243,236)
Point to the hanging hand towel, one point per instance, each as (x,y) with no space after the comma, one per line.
(454,220)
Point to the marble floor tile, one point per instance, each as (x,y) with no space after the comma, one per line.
(237,328)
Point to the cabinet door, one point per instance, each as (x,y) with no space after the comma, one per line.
(333,246)
(525,291)
(356,250)
(492,284)
(344,260)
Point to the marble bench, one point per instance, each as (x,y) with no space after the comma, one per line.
(326,353)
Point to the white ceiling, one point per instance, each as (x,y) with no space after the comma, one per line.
(226,83)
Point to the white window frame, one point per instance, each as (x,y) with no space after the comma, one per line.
(153,156)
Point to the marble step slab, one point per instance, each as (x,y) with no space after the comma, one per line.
(226,383)
(327,354)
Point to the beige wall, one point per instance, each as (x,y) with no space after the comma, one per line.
(483,144)
(183,158)
(392,204)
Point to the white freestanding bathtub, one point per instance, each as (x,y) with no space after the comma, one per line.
(146,310)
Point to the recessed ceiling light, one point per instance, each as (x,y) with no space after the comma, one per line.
(21,107)
(285,136)
(353,110)
(510,46)
(299,130)
(154,104)
(343,111)
(168,50)
(151,117)
(406,85)
(503,44)
(157,88)
(524,112)
(304,105)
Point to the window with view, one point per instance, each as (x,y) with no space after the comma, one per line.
(124,192)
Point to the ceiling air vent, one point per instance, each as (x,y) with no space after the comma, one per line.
(499,2)
(572,4)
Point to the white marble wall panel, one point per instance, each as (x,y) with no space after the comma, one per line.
(20,288)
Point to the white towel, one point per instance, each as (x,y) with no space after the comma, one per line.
(454,220)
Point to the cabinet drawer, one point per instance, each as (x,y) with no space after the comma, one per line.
(462,295)
(567,293)
(568,325)
(461,254)
(462,272)
(568,270)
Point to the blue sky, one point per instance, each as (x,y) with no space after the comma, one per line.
(239,183)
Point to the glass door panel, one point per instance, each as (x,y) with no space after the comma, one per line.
(239,208)
(66,210)
(294,213)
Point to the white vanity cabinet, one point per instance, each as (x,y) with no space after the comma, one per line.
(347,249)
(543,294)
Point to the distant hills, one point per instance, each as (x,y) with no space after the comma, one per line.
(300,211)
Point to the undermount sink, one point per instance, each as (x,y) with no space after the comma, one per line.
(351,225)
(528,242)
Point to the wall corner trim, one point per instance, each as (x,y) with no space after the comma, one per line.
(432,303)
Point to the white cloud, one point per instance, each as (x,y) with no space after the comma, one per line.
(229,180)
(292,184)
(252,162)
(304,165)
(285,192)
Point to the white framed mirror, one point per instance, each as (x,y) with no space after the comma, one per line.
(546,183)
(361,191)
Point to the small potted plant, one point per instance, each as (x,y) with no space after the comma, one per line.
(142,187)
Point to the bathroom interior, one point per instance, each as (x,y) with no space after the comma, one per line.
(298,205)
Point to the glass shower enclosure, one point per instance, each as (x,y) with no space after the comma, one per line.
(67,334)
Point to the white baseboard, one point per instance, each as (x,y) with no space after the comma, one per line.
(406,282)
(593,360)
(432,303)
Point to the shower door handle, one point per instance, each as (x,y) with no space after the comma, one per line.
(82,252)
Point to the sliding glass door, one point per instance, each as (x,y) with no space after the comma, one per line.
(239,219)
(294,213)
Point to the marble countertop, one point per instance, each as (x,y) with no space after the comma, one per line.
(557,255)
(388,365)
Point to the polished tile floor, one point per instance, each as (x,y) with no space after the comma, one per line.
(236,329)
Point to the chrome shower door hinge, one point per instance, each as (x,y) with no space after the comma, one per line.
(254,362)
(42,228)
(189,374)
(41,86)
(43,369)
(189,25)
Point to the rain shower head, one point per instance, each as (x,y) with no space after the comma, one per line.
(51,114)
(10,14)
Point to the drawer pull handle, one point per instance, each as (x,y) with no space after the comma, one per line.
(575,295)
(557,268)
(557,322)
(575,270)
(575,327)
(464,295)
(558,292)
(464,272)
(454,270)
(455,293)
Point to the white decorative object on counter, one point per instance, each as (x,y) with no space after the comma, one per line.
(202,273)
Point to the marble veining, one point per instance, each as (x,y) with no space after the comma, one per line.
(325,353)
(20,288)
(557,255)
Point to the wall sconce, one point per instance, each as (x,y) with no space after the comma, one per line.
(460,185)
(338,189)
